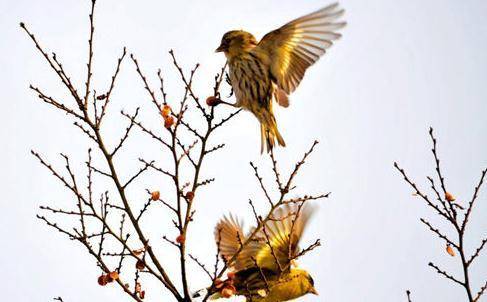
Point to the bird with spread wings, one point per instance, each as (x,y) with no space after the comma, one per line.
(262,270)
(260,72)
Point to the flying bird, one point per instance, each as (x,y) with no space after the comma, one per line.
(271,69)
(263,270)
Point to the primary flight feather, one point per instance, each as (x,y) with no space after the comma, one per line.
(271,69)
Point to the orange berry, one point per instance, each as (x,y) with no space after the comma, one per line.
(212,101)
(231,275)
(227,292)
(449,197)
(450,250)
(168,122)
(180,239)
(113,275)
(190,195)
(232,288)
(138,252)
(218,283)
(165,111)
(155,195)
(140,265)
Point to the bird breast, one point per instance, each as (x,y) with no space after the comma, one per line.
(285,289)
(250,80)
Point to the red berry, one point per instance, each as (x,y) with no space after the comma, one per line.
(180,239)
(212,101)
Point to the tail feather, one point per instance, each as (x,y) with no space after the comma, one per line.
(281,97)
(270,134)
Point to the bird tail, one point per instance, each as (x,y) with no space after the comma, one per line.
(269,133)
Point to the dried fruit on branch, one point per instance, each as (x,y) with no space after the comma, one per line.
(139,291)
(218,283)
(138,252)
(103,280)
(228,291)
(113,275)
(168,122)
(166,111)
(450,250)
(101,97)
(155,195)
(190,195)
(140,265)
(449,197)
(231,275)
(180,239)
(212,101)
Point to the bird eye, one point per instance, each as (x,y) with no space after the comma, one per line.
(311,281)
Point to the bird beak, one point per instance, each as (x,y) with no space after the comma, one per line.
(220,48)
(313,291)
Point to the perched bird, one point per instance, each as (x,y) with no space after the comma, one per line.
(263,270)
(272,68)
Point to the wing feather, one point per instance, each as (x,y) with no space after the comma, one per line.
(229,236)
(228,233)
(284,234)
(299,44)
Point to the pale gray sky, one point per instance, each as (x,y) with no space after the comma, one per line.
(400,67)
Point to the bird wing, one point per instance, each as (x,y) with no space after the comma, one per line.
(282,236)
(229,236)
(298,44)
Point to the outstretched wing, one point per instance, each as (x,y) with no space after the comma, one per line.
(229,237)
(282,236)
(297,45)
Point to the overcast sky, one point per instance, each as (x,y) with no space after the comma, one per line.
(400,67)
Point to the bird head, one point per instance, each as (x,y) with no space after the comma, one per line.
(235,42)
(311,286)
(307,283)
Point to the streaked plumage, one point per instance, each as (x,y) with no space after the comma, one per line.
(256,259)
(274,67)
